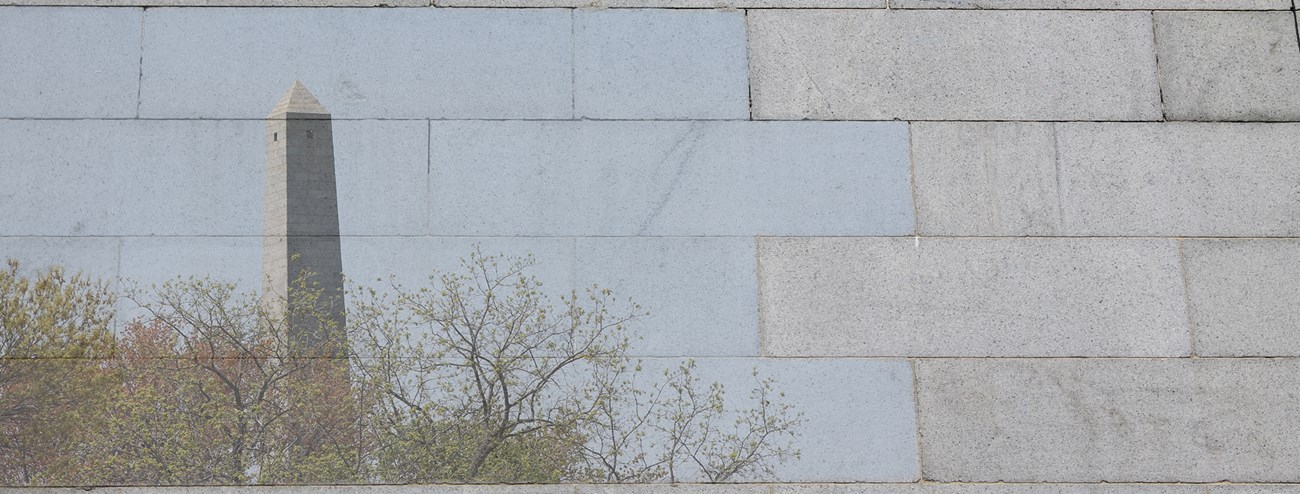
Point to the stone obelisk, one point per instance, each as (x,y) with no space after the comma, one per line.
(300,246)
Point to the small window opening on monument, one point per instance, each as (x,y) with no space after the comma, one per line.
(275,137)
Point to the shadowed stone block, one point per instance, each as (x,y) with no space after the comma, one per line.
(936,65)
(670,178)
(985,178)
(69,63)
(390,63)
(1244,296)
(1229,65)
(1113,420)
(660,64)
(1179,179)
(976,297)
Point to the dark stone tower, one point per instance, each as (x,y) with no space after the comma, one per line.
(301,217)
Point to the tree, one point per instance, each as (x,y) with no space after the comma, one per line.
(214,389)
(482,380)
(53,330)
(478,376)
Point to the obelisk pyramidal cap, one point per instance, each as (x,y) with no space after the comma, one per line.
(301,218)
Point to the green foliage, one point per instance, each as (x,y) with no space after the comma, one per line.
(475,377)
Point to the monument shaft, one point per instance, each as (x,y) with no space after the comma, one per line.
(302,258)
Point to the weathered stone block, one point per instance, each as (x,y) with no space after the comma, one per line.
(976,297)
(985,178)
(1244,296)
(1179,179)
(660,64)
(1113,420)
(390,63)
(224,3)
(670,178)
(947,65)
(1093,4)
(69,63)
(1229,65)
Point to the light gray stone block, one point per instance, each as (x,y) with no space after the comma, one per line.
(670,178)
(131,177)
(989,488)
(985,178)
(94,257)
(699,292)
(660,64)
(976,297)
(949,65)
(179,177)
(389,63)
(69,63)
(1254,489)
(1094,4)
(1179,179)
(1114,420)
(383,176)
(148,262)
(675,4)
(1240,66)
(1244,296)
(860,421)
(686,488)
(224,3)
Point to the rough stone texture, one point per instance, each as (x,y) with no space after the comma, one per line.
(660,64)
(225,3)
(1115,420)
(69,63)
(749,488)
(676,4)
(1244,296)
(985,178)
(928,65)
(438,63)
(699,292)
(1239,66)
(1094,4)
(670,178)
(975,297)
(1254,489)
(1179,179)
